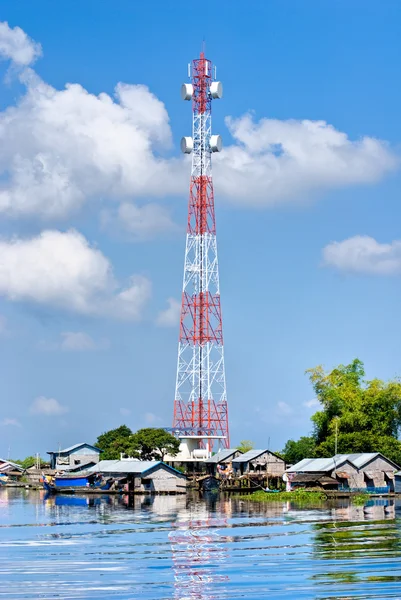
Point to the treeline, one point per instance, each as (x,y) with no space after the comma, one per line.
(355,416)
(146,444)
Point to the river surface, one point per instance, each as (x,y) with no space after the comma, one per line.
(184,548)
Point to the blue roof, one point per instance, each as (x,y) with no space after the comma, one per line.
(75,447)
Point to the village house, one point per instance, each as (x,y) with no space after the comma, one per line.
(151,477)
(358,471)
(397,482)
(259,462)
(75,458)
(221,462)
(10,471)
(327,473)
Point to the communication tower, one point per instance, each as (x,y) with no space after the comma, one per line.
(200,405)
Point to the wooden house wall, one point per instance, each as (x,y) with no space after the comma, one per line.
(376,471)
(83,455)
(265,463)
(163,481)
(356,479)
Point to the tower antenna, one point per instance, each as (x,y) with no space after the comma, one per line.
(200,406)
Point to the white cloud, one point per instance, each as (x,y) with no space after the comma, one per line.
(139,222)
(17,46)
(77,341)
(312,403)
(363,254)
(171,315)
(283,408)
(63,270)
(7,422)
(60,148)
(274,161)
(48,406)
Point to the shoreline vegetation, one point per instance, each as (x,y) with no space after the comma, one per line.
(300,496)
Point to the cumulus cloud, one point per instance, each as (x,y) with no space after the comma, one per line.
(363,254)
(312,403)
(60,148)
(17,46)
(79,341)
(139,222)
(283,409)
(274,161)
(63,270)
(171,315)
(48,406)
(7,422)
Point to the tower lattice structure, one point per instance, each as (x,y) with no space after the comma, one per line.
(200,406)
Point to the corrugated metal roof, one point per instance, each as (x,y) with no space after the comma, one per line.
(222,455)
(5,463)
(298,466)
(316,465)
(250,455)
(74,447)
(128,466)
(359,459)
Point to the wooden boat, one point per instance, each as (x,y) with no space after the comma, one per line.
(208,483)
(69,484)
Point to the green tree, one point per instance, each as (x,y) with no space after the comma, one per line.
(28,462)
(153,444)
(367,413)
(245,446)
(115,442)
(294,451)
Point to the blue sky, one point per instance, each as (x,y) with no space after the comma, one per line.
(94,191)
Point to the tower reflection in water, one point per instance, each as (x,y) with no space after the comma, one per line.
(199,551)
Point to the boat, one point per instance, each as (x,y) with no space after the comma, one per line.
(208,483)
(69,484)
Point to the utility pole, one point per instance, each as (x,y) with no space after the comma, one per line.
(336,435)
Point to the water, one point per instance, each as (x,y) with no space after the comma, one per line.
(186,548)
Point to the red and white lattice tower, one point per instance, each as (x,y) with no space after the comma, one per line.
(200,406)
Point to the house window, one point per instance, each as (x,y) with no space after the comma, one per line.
(77,462)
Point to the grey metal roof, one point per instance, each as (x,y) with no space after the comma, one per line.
(359,459)
(74,447)
(222,455)
(250,455)
(4,463)
(318,465)
(128,466)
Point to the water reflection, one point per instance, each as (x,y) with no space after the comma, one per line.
(191,548)
(199,552)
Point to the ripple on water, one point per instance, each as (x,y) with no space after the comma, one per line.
(185,548)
